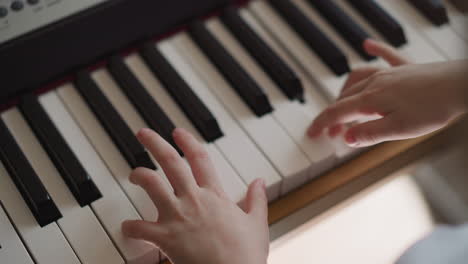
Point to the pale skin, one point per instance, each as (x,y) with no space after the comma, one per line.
(411,99)
(199,224)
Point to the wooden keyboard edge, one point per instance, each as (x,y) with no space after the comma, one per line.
(353,170)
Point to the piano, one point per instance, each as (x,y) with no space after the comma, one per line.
(79,78)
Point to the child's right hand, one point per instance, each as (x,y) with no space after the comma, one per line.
(412,100)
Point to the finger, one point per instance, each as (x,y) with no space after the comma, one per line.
(142,230)
(256,202)
(347,110)
(335,130)
(156,188)
(387,52)
(355,77)
(198,158)
(177,172)
(372,132)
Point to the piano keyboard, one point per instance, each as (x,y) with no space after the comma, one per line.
(247,84)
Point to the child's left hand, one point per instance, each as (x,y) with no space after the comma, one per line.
(198,223)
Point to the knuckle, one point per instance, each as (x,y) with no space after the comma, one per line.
(179,216)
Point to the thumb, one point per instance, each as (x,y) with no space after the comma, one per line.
(372,132)
(256,201)
(387,52)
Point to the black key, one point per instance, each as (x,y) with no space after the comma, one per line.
(180,91)
(276,68)
(328,52)
(385,23)
(26,180)
(433,10)
(348,29)
(240,80)
(113,123)
(141,99)
(75,176)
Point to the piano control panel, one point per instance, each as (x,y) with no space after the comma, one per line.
(18,17)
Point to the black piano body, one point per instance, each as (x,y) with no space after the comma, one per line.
(35,59)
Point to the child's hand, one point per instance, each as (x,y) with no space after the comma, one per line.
(412,100)
(197,221)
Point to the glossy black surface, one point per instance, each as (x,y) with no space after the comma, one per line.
(188,101)
(271,63)
(344,25)
(328,52)
(149,110)
(115,126)
(26,180)
(79,40)
(70,168)
(240,80)
(433,10)
(381,20)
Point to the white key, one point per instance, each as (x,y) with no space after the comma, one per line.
(229,179)
(114,207)
(107,150)
(12,249)
(443,38)
(265,131)
(236,146)
(354,60)
(123,106)
(292,44)
(83,231)
(297,48)
(47,245)
(458,20)
(357,18)
(296,117)
(118,99)
(417,49)
(296,162)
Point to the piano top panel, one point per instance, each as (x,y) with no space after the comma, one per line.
(37,58)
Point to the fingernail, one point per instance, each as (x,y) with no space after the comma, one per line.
(143,131)
(351,139)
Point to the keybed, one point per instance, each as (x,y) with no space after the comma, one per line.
(246,85)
